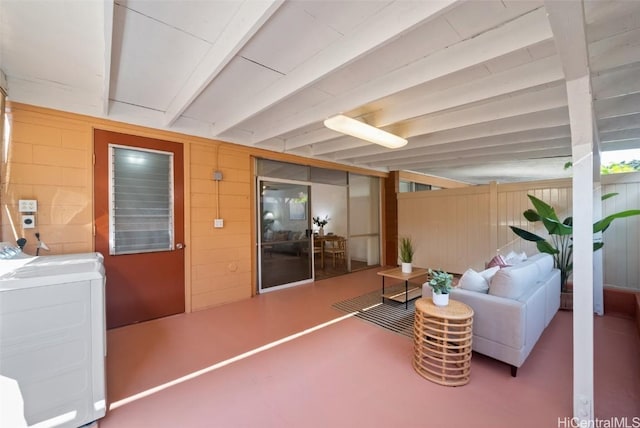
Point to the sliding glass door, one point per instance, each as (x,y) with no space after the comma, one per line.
(284,242)
(364,221)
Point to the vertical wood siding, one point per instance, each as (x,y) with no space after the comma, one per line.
(452,228)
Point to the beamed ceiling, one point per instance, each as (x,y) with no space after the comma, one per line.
(477,87)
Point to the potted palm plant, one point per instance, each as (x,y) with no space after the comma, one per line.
(406,254)
(560,241)
(441,284)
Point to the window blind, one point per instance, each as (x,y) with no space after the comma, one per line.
(141,201)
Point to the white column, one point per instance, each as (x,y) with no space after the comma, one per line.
(569,32)
(582,125)
(598,270)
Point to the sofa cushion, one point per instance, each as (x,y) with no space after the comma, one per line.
(473,281)
(513,281)
(544,262)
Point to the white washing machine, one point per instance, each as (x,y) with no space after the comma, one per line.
(53,335)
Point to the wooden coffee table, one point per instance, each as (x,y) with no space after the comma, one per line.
(409,294)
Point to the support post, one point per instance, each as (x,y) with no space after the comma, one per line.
(581,119)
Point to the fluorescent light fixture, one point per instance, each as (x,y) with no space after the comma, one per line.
(355,128)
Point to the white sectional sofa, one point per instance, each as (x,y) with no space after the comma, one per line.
(512,313)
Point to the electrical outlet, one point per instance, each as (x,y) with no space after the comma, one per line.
(27,205)
(28,221)
(218,223)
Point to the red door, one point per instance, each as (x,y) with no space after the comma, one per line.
(139,218)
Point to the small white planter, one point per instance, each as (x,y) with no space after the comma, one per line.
(407,268)
(440,299)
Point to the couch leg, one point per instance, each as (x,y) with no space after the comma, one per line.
(514,371)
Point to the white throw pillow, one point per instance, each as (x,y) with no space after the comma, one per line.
(488,273)
(514,258)
(473,281)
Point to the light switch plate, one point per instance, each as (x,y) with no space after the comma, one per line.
(27,205)
(218,223)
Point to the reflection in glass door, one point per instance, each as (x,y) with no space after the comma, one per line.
(283,241)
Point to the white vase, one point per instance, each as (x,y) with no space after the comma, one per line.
(407,268)
(321,232)
(440,299)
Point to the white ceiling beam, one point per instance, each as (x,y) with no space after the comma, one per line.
(309,138)
(539,120)
(614,51)
(137,115)
(344,143)
(567,23)
(621,135)
(485,150)
(501,108)
(543,71)
(619,122)
(249,18)
(527,30)
(514,105)
(619,106)
(490,143)
(524,155)
(108,7)
(613,83)
(394,20)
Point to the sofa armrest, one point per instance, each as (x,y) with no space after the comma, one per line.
(497,319)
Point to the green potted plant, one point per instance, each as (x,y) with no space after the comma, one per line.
(441,284)
(406,254)
(560,241)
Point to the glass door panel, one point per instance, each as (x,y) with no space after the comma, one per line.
(364,221)
(284,239)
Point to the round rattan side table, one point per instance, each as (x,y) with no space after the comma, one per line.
(442,342)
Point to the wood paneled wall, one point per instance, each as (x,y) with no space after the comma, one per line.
(622,240)
(450,228)
(455,229)
(49,157)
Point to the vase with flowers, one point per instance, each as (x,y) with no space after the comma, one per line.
(321,223)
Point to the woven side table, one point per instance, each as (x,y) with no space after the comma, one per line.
(442,342)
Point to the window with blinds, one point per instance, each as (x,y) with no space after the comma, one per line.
(141,201)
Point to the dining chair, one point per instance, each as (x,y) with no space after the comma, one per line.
(337,248)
